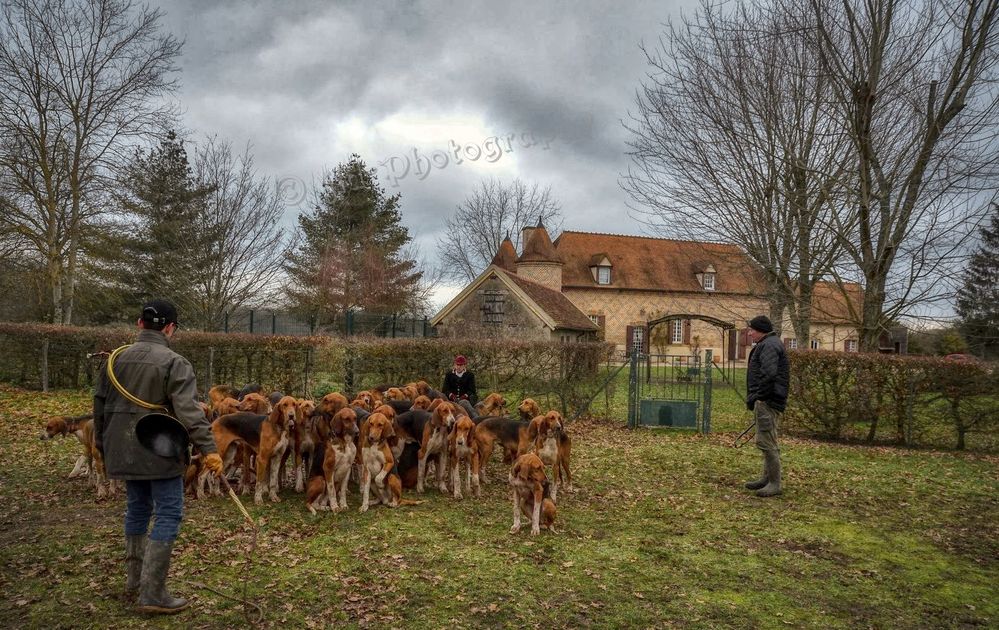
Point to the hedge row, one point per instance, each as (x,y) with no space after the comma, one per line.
(312,365)
(911,401)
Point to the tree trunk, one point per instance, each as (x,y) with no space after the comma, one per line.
(801,318)
(871,325)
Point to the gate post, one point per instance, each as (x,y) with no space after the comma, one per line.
(706,419)
(633,391)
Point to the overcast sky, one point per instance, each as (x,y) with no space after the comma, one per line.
(308,83)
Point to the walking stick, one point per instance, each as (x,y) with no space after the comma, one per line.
(252,620)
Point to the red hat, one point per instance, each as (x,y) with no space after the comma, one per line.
(460,360)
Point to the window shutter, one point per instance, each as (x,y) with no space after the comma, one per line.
(628,331)
(686,332)
(787,342)
(846,345)
(601,320)
(646,341)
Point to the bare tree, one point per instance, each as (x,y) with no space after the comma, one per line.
(245,243)
(731,141)
(916,93)
(490,213)
(79,82)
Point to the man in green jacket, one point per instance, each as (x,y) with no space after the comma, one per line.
(150,371)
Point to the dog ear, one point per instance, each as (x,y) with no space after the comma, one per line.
(532,430)
(515,471)
(321,426)
(537,473)
(338,424)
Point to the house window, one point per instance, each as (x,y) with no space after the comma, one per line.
(815,344)
(595,319)
(676,331)
(638,339)
(603,275)
(565,338)
(493,303)
(709,282)
(792,344)
(851,345)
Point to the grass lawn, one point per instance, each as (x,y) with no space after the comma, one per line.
(658,533)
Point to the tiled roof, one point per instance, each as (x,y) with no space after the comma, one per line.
(506,256)
(564,312)
(539,247)
(832,304)
(639,262)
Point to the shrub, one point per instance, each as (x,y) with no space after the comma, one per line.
(313,365)
(904,400)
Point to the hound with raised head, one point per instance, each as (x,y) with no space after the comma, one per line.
(433,445)
(551,443)
(379,463)
(275,438)
(462,447)
(333,458)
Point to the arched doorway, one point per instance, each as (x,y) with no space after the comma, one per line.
(674,390)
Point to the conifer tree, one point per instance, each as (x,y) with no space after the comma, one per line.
(978,297)
(351,253)
(160,248)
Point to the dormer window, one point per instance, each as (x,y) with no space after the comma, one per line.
(603,275)
(705,274)
(600,269)
(709,282)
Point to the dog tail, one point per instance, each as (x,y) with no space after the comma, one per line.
(410,502)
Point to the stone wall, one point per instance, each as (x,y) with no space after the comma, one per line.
(471,319)
(623,308)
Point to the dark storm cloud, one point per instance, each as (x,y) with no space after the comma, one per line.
(307,83)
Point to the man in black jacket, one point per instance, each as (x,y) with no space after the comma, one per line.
(459,386)
(767,379)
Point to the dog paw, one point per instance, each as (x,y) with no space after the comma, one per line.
(515,529)
(535,531)
(363,509)
(275,498)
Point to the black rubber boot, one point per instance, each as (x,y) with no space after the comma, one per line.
(135,549)
(759,483)
(153,595)
(773,487)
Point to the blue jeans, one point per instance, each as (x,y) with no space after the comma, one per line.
(164,497)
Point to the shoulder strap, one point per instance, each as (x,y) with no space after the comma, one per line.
(121,390)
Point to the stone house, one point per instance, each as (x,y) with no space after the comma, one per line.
(689,295)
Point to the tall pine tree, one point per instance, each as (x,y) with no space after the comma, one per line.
(160,247)
(978,297)
(352,250)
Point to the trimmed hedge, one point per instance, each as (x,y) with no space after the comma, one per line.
(313,365)
(911,401)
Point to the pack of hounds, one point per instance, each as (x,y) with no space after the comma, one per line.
(385,440)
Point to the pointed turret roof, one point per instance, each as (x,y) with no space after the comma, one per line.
(506,255)
(538,247)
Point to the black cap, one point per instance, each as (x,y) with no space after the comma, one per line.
(761,323)
(159,313)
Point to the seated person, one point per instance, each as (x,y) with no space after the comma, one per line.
(459,386)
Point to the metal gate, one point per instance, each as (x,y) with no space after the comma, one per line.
(672,391)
